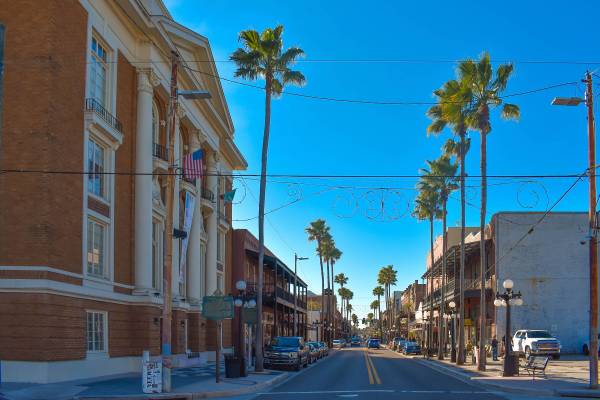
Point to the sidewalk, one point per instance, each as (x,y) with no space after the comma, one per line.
(565,377)
(188,383)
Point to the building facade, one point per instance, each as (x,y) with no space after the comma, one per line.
(82,239)
(278,290)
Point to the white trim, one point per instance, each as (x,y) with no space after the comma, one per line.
(105,333)
(60,272)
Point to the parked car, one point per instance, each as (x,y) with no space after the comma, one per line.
(289,351)
(586,347)
(411,348)
(536,342)
(355,341)
(339,343)
(319,348)
(324,348)
(395,343)
(373,344)
(314,352)
(401,345)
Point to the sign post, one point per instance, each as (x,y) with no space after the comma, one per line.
(217,308)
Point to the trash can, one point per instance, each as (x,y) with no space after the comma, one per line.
(512,365)
(233,366)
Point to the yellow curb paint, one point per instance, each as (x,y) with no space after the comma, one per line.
(375,374)
(368,368)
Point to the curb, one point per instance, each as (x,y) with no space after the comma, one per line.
(467,378)
(587,393)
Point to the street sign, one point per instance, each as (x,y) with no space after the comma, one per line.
(152,377)
(217,307)
(249,315)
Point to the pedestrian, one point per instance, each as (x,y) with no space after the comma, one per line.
(495,348)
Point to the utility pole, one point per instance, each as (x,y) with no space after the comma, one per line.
(168,265)
(296,258)
(589,101)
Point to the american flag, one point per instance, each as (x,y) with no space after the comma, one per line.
(192,165)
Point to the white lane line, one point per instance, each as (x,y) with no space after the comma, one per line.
(332,392)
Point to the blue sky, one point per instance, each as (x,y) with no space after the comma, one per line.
(318,137)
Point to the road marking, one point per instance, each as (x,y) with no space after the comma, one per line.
(354,393)
(368,368)
(373,370)
(333,392)
(347,395)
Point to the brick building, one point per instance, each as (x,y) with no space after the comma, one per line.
(278,288)
(86,88)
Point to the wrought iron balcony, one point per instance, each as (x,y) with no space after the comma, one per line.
(95,106)
(160,151)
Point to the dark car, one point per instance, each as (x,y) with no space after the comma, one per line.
(289,351)
(411,348)
(314,352)
(373,344)
(355,341)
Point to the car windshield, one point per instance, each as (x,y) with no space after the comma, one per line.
(538,334)
(285,341)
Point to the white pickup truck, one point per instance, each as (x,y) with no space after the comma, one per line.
(536,342)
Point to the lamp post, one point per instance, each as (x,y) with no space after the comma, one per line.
(452,310)
(296,259)
(593,248)
(241,301)
(507,299)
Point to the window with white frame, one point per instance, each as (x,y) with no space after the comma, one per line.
(96,162)
(157,253)
(96,248)
(96,331)
(98,71)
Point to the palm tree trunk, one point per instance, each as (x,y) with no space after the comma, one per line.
(379,316)
(483,253)
(441,334)
(333,298)
(261,226)
(322,290)
(328,304)
(430,335)
(461,278)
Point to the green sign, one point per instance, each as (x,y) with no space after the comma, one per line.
(217,307)
(249,315)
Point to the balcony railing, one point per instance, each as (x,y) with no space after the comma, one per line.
(95,106)
(207,194)
(160,151)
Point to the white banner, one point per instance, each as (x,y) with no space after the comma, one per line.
(190,205)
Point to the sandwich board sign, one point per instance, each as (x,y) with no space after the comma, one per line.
(151,376)
(217,308)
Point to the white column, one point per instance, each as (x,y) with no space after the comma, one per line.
(143,184)
(211,229)
(177,160)
(193,264)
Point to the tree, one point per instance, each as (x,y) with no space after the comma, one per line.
(441,178)
(355,322)
(427,208)
(318,231)
(451,111)
(387,277)
(328,247)
(334,255)
(485,90)
(378,291)
(262,57)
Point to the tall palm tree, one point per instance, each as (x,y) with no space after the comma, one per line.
(442,178)
(334,255)
(387,277)
(327,247)
(485,90)
(355,322)
(262,57)
(451,111)
(318,231)
(375,306)
(349,296)
(427,208)
(378,291)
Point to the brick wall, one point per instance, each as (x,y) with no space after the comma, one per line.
(44,88)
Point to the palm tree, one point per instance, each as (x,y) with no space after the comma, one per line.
(387,277)
(442,178)
(262,57)
(378,291)
(451,110)
(375,307)
(341,280)
(485,89)
(318,231)
(349,296)
(327,246)
(334,255)
(427,208)
(355,322)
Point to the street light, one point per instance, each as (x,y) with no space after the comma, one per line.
(452,310)
(241,301)
(593,248)
(507,299)
(296,259)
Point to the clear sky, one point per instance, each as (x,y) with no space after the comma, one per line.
(319,137)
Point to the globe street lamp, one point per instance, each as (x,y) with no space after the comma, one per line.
(452,310)
(241,301)
(507,299)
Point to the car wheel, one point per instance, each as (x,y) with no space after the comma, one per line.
(556,356)
(586,350)
(527,352)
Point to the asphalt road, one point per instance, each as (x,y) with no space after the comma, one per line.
(373,374)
